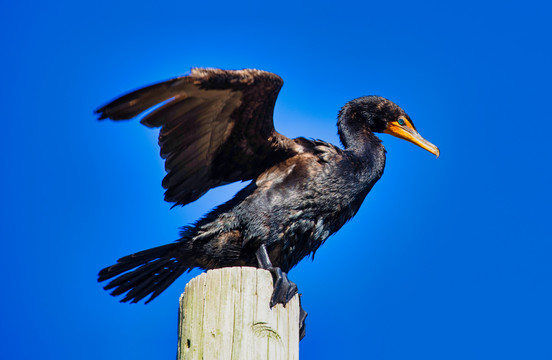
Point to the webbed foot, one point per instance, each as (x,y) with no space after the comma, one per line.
(302,316)
(284,290)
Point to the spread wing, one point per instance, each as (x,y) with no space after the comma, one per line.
(216,127)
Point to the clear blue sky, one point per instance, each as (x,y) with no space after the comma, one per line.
(447,258)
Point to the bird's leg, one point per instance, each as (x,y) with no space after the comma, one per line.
(284,290)
(262,258)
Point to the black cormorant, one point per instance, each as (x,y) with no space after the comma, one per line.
(217,128)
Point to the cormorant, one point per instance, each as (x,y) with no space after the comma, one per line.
(217,128)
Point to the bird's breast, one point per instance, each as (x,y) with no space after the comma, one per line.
(304,200)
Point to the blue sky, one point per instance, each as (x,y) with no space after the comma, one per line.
(447,258)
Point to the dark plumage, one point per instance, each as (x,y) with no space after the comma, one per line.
(217,128)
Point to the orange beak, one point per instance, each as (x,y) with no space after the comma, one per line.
(409,133)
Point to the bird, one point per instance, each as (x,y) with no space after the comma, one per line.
(216,127)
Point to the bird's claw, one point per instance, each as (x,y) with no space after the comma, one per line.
(284,290)
(302,317)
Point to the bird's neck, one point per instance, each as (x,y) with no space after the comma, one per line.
(357,138)
(365,147)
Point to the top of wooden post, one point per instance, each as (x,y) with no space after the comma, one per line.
(225,314)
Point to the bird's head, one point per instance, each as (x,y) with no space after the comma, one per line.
(378,114)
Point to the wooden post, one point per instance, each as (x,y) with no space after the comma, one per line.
(225,314)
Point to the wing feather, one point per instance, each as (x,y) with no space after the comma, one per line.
(216,127)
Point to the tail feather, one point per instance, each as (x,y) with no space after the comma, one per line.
(142,290)
(171,277)
(146,272)
(133,278)
(151,285)
(134,260)
(138,292)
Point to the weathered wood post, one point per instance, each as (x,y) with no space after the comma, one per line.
(225,314)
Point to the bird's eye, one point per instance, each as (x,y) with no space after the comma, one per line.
(401,121)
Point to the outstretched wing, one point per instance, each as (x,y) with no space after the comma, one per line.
(216,127)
